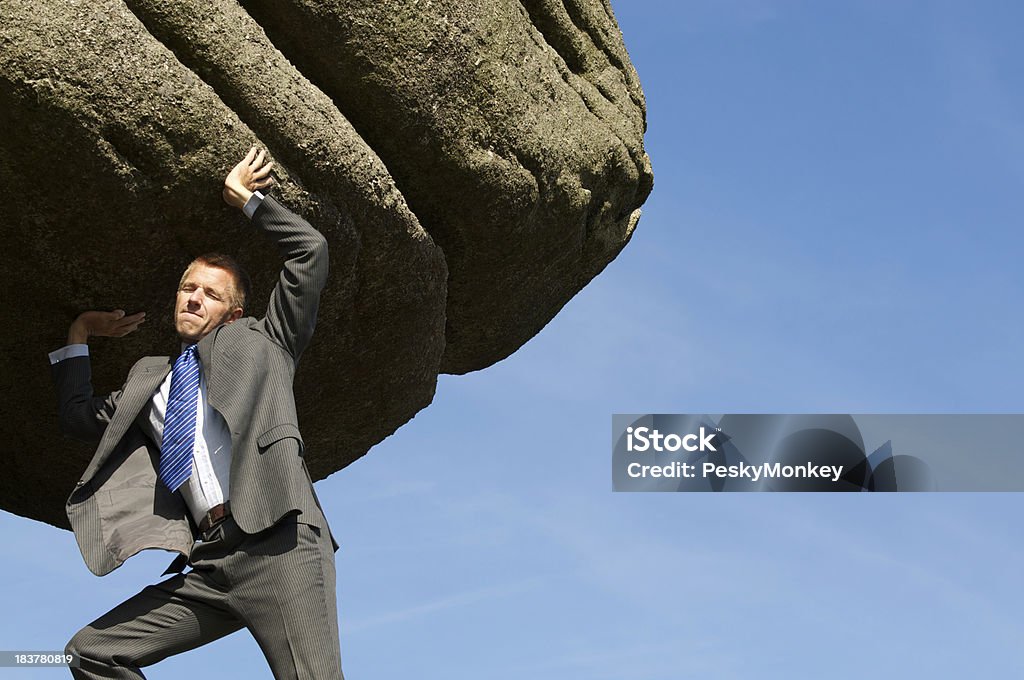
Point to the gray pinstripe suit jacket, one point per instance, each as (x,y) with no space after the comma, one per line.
(119,507)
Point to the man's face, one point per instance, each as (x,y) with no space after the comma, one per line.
(204,302)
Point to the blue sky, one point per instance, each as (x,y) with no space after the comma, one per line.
(835,227)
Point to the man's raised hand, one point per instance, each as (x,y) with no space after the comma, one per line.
(107,324)
(252,173)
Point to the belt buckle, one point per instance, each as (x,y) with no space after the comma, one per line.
(208,534)
(225,512)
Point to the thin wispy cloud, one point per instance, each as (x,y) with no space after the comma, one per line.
(464,599)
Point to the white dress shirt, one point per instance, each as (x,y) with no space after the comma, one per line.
(209,484)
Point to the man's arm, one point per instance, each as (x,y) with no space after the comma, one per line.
(291,314)
(81,414)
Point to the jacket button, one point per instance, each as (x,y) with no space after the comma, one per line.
(81,482)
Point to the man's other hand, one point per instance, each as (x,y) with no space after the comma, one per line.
(250,174)
(107,324)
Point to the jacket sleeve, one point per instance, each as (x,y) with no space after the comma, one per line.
(291,314)
(81,414)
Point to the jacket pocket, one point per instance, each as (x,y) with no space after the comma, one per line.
(277,433)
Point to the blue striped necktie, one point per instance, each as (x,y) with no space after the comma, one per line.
(180,421)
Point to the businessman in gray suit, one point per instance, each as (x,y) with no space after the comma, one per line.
(201,455)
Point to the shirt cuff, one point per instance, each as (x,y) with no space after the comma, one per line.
(254,202)
(69,351)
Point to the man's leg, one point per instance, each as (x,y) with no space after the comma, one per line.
(179,614)
(283,588)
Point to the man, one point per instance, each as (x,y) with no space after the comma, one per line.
(202,455)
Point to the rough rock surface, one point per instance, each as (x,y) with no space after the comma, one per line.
(472,163)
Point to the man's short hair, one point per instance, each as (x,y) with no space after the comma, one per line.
(239,293)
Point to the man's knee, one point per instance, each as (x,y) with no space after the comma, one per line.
(100,655)
(76,643)
(86,644)
(90,657)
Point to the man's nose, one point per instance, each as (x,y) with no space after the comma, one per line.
(196,296)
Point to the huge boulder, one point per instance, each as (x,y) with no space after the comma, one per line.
(473,165)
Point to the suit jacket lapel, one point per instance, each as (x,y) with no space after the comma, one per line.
(206,350)
(137,393)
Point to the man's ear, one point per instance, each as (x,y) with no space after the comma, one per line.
(235,315)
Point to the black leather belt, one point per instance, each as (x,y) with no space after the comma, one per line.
(215,516)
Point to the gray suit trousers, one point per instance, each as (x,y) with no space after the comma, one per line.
(279,583)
